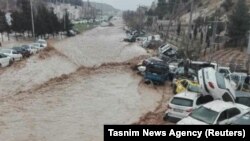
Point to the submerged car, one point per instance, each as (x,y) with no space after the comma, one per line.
(14,55)
(141,66)
(30,48)
(42,42)
(215,112)
(157,73)
(215,84)
(5,60)
(25,53)
(182,104)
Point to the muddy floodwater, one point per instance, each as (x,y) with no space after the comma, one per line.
(69,91)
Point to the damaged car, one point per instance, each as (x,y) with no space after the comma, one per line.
(215,84)
(156,73)
(182,104)
(215,113)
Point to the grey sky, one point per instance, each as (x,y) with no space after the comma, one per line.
(126,4)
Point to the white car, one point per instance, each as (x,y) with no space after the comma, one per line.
(215,112)
(182,104)
(31,49)
(5,60)
(167,49)
(12,54)
(215,84)
(37,46)
(238,79)
(42,42)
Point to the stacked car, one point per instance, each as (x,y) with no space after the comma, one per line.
(203,92)
(9,55)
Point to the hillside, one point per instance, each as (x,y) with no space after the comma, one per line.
(106,8)
(206,8)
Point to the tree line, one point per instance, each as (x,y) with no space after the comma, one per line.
(46,21)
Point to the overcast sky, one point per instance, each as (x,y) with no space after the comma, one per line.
(125,4)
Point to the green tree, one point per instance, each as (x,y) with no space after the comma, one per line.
(239,23)
(25,8)
(68,25)
(3,24)
(162,8)
(17,23)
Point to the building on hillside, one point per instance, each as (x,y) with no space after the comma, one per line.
(85,11)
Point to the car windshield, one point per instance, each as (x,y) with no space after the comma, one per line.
(220,80)
(193,88)
(182,102)
(205,115)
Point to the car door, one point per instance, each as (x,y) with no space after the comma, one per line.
(4,60)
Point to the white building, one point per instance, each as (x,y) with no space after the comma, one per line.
(75,12)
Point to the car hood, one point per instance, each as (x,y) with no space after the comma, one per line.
(190,121)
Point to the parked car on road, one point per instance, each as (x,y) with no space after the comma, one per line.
(215,84)
(215,112)
(181,105)
(25,53)
(38,46)
(30,48)
(14,55)
(42,42)
(5,60)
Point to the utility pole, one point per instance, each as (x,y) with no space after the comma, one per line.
(212,50)
(64,17)
(32,19)
(248,52)
(7,6)
(171,18)
(190,28)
